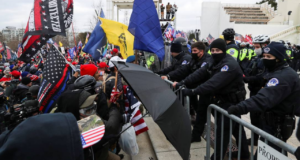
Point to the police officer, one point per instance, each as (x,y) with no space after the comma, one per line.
(297,57)
(279,99)
(181,57)
(254,77)
(207,47)
(251,52)
(243,56)
(199,59)
(290,55)
(231,48)
(222,80)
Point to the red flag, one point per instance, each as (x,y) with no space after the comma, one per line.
(1,47)
(8,55)
(248,39)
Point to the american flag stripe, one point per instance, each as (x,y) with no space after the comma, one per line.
(136,116)
(52,91)
(44,92)
(93,131)
(93,136)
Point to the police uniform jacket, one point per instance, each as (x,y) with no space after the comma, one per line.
(279,96)
(182,59)
(219,79)
(182,72)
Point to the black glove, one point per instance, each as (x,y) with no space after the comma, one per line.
(178,85)
(187,92)
(233,110)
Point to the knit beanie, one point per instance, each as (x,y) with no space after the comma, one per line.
(24,74)
(276,49)
(26,80)
(88,69)
(220,44)
(176,47)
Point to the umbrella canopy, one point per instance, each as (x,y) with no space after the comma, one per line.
(162,104)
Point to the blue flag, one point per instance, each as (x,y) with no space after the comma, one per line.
(71,52)
(144,25)
(97,41)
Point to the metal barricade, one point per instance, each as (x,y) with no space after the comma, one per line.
(185,101)
(268,138)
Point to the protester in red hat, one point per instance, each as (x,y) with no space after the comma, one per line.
(89,69)
(103,66)
(16,74)
(74,63)
(14,82)
(34,79)
(115,52)
(6,77)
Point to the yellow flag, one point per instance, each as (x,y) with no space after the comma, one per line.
(173,18)
(118,34)
(60,44)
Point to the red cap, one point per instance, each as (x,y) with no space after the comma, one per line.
(15,74)
(74,63)
(115,50)
(36,66)
(103,65)
(69,60)
(88,69)
(34,77)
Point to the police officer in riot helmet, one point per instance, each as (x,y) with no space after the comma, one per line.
(231,47)
(221,80)
(279,99)
(181,57)
(254,76)
(183,42)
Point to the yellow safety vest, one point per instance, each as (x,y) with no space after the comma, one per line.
(233,52)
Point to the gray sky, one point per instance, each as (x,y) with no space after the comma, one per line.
(16,12)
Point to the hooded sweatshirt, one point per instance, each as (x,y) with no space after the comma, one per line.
(20,92)
(46,137)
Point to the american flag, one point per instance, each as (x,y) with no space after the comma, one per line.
(114,96)
(132,107)
(1,47)
(248,39)
(79,46)
(19,50)
(210,39)
(56,75)
(92,136)
(8,54)
(168,32)
(239,37)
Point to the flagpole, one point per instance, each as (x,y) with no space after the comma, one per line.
(74,35)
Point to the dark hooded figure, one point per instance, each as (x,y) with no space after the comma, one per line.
(46,137)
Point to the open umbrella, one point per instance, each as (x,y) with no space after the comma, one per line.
(162,104)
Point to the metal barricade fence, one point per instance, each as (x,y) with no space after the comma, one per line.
(268,138)
(185,101)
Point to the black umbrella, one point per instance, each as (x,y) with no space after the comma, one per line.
(162,104)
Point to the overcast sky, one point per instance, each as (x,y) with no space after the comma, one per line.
(16,12)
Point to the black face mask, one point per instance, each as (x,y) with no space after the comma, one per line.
(218,57)
(270,64)
(195,56)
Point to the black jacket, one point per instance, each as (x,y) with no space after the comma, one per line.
(46,136)
(254,74)
(280,94)
(20,92)
(182,72)
(182,59)
(221,79)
